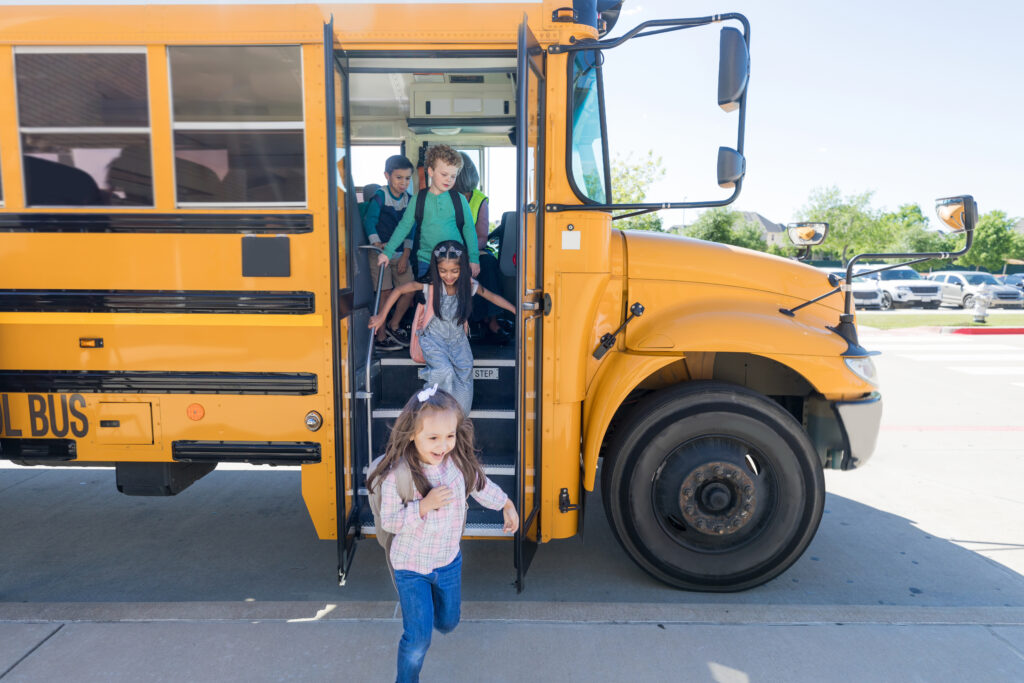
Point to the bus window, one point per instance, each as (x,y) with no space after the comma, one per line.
(238,128)
(587,145)
(84,123)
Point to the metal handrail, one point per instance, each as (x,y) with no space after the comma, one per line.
(367,394)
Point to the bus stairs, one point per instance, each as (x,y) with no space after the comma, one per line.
(393,379)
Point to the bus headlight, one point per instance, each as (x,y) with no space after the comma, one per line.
(863,367)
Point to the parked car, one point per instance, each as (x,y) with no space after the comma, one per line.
(866,293)
(959,287)
(903,287)
(1015,280)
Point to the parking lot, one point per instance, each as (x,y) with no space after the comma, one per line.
(916,573)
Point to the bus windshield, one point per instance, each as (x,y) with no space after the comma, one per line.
(587,142)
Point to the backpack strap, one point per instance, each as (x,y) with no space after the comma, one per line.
(460,220)
(404,483)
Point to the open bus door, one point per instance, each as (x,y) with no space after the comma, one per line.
(529,291)
(338,171)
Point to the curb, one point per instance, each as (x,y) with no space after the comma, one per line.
(983,330)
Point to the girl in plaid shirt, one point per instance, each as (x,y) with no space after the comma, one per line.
(432,438)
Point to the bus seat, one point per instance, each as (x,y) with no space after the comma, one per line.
(508,241)
(197,182)
(49,183)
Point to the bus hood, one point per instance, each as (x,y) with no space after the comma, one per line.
(655,256)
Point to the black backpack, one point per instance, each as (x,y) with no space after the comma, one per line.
(421,201)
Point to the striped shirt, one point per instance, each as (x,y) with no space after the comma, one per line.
(424,544)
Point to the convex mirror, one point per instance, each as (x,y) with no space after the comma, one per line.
(807,234)
(959,214)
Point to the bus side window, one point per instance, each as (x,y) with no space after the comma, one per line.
(237,110)
(83,116)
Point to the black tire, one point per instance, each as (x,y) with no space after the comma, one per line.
(886,304)
(969,301)
(743,523)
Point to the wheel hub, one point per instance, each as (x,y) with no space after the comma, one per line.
(718,498)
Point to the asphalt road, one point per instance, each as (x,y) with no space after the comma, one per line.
(916,573)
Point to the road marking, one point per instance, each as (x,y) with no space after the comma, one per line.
(948,346)
(953,428)
(989,371)
(964,357)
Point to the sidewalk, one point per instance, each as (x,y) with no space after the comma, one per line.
(511,642)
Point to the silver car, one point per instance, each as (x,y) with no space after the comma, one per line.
(959,287)
(904,287)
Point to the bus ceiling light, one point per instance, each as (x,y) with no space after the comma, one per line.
(313,421)
(733,68)
(731,167)
(454,130)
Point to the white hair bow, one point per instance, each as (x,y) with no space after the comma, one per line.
(427,393)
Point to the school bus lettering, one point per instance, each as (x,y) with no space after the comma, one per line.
(223,262)
(52,415)
(9,429)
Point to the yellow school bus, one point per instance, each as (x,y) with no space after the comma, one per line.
(184,284)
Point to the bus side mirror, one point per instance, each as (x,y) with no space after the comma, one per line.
(731,167)
(960,214)
(807,234)
(733,68)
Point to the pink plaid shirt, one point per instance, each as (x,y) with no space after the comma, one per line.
(423,545)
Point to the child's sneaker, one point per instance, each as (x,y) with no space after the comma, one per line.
(386,344)
(399,336)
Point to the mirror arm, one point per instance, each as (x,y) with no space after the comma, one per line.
(662,24)
(917,258)
(631,214)
(647,207)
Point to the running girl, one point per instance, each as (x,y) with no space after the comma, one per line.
(434,440)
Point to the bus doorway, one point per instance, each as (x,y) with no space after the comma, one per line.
(473,102)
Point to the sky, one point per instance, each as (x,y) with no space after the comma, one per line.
(910,100)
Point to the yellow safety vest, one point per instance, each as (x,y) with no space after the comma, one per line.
(475,201)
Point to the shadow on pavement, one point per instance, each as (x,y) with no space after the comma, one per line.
(68,536)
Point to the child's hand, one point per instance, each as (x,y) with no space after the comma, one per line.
(511,518)
(402,265)
(438,497)
(382,260)
(376,321)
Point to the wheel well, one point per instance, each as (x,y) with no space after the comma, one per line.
(766,376)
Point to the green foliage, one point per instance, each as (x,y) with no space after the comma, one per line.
(630,182)
(855,227)
(727,227)
(994,240)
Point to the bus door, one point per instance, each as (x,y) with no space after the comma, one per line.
(341,196)
(529,291)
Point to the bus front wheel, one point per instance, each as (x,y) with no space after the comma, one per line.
(712,487)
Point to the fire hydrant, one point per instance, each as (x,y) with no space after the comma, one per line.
(981,301)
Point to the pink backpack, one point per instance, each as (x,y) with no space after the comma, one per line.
(419,322)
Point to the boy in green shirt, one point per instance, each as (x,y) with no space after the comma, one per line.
(439,222)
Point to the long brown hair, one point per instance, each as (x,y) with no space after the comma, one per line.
(402,447)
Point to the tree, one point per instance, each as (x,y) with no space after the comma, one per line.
(630,182)
(853,226)
(726,227)
(994,240)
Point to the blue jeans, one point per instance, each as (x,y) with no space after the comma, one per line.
(428,601)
